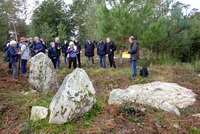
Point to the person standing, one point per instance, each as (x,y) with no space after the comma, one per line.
(134,51)
(6,46)
(72,51)
(101,51)
(25,54)
(111,48)
(58,49)
(64,51)
(89,52)
(78,45)
(43,44)
(36,47)
(52,54)
(13,58)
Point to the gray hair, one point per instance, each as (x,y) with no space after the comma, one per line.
(52,43)
(108,39)
(57,38)
(132,38)
(36,38)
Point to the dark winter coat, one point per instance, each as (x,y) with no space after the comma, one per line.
(101,49)
(111,46)
(64,49)
(58,48)
(89,49)
(36,46)
(78,45)
(44,46)
(134,51)
(52,53)
(13,54)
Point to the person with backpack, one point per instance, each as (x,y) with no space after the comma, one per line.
(134,51)
(111,48)
(89,52)
(13,58)
(101,51)
(5,49)
(52,54)
(72,51)
(36,47)
(78,45)
(65,46)
(25,56)
(58,49)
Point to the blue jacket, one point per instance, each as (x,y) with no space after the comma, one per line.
(13,54)
(101,49)
(72,51)
(44,47)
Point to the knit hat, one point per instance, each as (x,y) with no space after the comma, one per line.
(13,42)
(22,39)
(71,43)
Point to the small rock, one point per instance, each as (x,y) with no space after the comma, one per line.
(38,112)
(196,115)
(175,125)
(29,92)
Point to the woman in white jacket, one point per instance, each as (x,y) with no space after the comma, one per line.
(25,54)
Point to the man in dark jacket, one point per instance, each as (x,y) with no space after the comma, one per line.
(65,46)
(89,52)
(36,47)
(13,58)
(134,51)
(52,53)
(58,48)
(111,47)
(101,51)
(44,45)
(78,45)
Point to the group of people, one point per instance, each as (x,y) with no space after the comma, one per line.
(27,48)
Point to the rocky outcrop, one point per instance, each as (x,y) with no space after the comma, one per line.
(38,113)
(167,96)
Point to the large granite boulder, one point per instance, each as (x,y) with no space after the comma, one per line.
(167,96)
(42,75)
(75,97)
(38,113)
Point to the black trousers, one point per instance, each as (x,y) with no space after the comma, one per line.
(112,61)
(10,65)
(54,62)
(72,60)
(79,59)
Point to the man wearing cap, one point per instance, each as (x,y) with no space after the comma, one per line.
(78,45)
(13,58)
(89,52)
(101,51)
(134,51)
(111,48)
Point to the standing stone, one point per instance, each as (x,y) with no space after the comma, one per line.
(38,112)
(167,96)
(75,97)
(42,75)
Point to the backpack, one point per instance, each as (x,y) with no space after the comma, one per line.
(6,57)
(144,72)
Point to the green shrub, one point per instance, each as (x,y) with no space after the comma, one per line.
(168,60)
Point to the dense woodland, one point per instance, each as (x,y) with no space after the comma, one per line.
(161,28)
